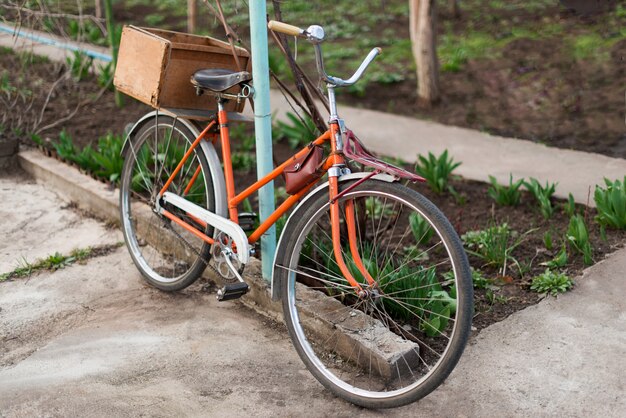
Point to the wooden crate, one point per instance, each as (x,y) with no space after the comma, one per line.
(155,67)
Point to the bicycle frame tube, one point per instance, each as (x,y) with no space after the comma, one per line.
(236,200)
(185,158)
(335,159)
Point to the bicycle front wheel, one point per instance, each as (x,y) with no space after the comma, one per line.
(401,340)
(169,257)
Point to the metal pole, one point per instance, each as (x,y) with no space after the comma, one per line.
(263,126)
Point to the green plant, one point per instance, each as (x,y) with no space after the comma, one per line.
(377,209)
(589,46)
(611,204)
(79,65)
(85,159)
(551,282)
(436,170)
(65,146)
(5,84)
(559,260)
(503,195)
(421,229)
(243,161)
(493,297)
(23,269)
(433,301)
(547,240)
(57,261)
(543,195)
(494,245)
(154,19)
(105,76)
(109,157)
(36,139)
(455,51)
(81,254)
(478,279)
(298,132)
(569,207)
(578,238)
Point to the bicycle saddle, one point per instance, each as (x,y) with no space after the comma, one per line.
(219,79)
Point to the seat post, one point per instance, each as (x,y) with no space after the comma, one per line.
(222,119)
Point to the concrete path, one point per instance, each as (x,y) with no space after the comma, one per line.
(93,340)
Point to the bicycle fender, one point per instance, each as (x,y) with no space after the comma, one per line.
(217,176)
(275,286)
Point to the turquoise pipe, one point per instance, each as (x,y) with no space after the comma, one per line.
(42,39)
(262,126)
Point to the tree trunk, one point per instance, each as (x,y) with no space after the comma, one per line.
(422,18)
(99,9)
(192,16)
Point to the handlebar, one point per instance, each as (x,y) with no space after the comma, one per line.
(282,27)
(315,35)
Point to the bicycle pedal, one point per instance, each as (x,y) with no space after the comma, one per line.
(247,220)
(232,291)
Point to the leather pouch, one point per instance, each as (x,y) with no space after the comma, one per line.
(304,170)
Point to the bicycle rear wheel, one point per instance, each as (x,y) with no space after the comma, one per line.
(399,342)
(169,257)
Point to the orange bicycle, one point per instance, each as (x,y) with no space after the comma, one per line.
(375,284)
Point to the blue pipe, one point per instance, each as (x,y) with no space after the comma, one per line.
(263,126)
(42,39)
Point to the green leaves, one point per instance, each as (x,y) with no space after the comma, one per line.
(578,238)
(79,65)
(494,245)
(109,158)
(543,195)
(611,204)
(421,229)
(505,196)
(436,170)
(298,132)
(552,283)
(65,146)
(106,161)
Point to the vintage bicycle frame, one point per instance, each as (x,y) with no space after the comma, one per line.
(334,166)
(335,159)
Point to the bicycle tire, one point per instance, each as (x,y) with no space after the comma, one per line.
(168,257)
(332,328)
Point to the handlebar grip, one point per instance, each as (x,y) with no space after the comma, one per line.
(281,27)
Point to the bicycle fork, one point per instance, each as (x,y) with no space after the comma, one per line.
(350,220)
